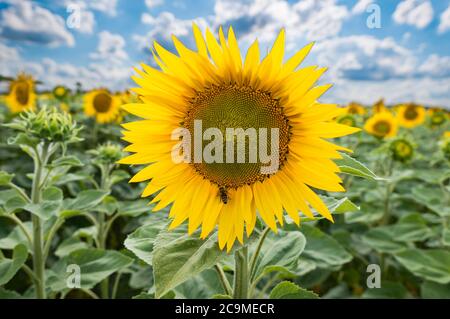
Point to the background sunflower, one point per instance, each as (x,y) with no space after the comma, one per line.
(21,96)
(382,124)
(411,115)
(102,105)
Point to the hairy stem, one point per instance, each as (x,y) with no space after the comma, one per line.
(38,242)
(241,274)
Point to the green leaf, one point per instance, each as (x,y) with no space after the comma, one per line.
(8,294)
(431,197)
(201,286)
(15,237)
(323,249)
(141,242)
(22,139)
(9,267)
(351,166)
(50,206)
(118,176)
(109,206)
(6,195)
(85,200)
(383,240)
(15,203)
(289,246)
(388,290)
(432,290)
(178,256)
(134,208)
(146,295)
(220,296)
(68,246)
(95,265)
(446,236)
(289,290)
(67,161)
(5,178)
(431,264)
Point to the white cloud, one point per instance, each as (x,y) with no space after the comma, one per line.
(436,66)
(365,57)
(308,19)
(364,68)
(361,6)
(431,92)
(87,22)
(108,7)
(444,24)
(110,48)
(418,13)
(28,22)
(153,3)
(163,26)
(51,73)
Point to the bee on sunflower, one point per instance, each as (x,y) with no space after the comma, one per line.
(382,125)
(355,108)
(216,86)
(102,105)
(21,96)
(411,115)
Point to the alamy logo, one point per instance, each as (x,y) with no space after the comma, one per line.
(228,147)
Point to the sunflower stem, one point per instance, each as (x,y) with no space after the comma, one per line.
(257,251)
(102,235)
(38,240)
(223,279)
(241,274)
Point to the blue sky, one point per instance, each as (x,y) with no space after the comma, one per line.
(405,58)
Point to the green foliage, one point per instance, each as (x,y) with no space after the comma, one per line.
(66,183)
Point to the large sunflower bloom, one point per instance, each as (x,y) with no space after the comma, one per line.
(102,105)
(215,85)
(382,125)
(21,95)
(411,115)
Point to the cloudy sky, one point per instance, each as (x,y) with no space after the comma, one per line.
(397,49)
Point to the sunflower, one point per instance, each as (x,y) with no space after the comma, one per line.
(402,150)
(216,86)
(382,125)
(411,115)
(346,119)
(355,108)
(60,92)
(21,95)
(103,105)
(379,107)
(437,116)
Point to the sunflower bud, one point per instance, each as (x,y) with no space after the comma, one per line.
(108,153)
(47,125)
(402,150)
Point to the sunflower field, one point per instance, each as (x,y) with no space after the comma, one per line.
(92,205)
